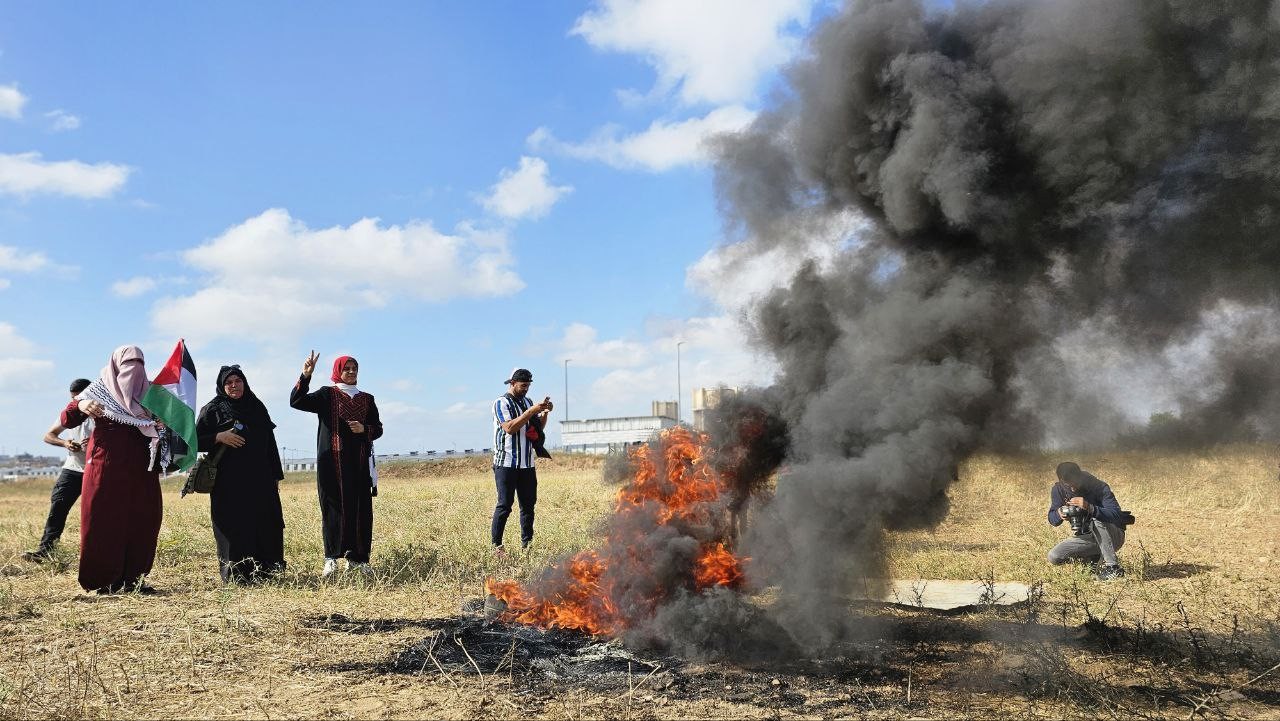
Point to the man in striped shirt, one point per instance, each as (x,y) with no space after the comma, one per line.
(513,454)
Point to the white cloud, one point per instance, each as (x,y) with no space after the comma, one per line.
(28,174)
(406,385)
(133,287)
(525,192)
(662,146)
(11,102)
(272,276)
(467,409)
(399,413)
(715,350)
(714,353)
(712,51)
(628,390)
(18,370)
(60,120)
(734,276)
(12,342)
(13,259)
(580,343)
(24,374)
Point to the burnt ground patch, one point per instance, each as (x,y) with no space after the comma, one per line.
(915,662)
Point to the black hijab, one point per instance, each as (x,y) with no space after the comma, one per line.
(247,409)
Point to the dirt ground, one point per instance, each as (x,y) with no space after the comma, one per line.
(1192,630)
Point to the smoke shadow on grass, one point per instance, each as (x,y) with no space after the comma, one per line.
(360,627)
(1174,570)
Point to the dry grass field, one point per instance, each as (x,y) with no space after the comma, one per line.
(1185,634)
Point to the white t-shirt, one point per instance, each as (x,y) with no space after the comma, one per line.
(80,434)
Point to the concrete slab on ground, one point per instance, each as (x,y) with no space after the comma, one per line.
(949,595)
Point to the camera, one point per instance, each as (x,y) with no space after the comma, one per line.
(1081,524)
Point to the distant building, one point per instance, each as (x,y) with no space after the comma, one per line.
(15,473)
(704,399)
(601,435)
(666,409)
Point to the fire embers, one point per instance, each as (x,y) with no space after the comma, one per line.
(669,537)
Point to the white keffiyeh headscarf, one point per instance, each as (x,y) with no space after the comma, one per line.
(119,389)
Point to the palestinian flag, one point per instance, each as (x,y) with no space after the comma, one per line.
(172,398)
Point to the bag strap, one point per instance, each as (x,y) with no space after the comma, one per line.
(216,454)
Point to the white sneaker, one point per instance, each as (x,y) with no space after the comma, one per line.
(362,568)
(330,567)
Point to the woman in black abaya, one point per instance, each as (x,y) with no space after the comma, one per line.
(248,523)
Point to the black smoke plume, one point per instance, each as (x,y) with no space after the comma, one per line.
(1049,188)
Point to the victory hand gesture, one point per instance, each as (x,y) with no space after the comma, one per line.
(309,365)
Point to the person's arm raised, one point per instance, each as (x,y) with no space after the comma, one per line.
(301,397)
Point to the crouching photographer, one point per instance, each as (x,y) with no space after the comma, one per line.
(1097,523)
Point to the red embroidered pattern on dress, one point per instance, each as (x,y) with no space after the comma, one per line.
(344,408)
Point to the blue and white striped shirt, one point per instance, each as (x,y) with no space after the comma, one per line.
(511,451)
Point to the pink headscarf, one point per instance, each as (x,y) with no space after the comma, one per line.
(126,380)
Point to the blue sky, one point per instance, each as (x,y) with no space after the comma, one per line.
(443,190)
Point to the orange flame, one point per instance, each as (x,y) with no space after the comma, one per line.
(579,593)
(718,567)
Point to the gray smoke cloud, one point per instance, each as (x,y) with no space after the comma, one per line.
(1060,193)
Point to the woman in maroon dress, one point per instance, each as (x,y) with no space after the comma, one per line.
(120,508)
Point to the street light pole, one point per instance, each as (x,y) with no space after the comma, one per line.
(678,344)
(566,388)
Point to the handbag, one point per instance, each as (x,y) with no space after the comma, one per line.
(204,474)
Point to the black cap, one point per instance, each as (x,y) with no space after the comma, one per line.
(519,375)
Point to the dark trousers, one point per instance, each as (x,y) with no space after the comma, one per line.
(66,490)
(513,483)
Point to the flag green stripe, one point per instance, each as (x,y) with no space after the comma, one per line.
(177,415)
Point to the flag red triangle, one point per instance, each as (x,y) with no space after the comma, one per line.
(172,371)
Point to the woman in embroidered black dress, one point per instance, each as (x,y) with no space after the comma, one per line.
(248,523)
(349,425)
